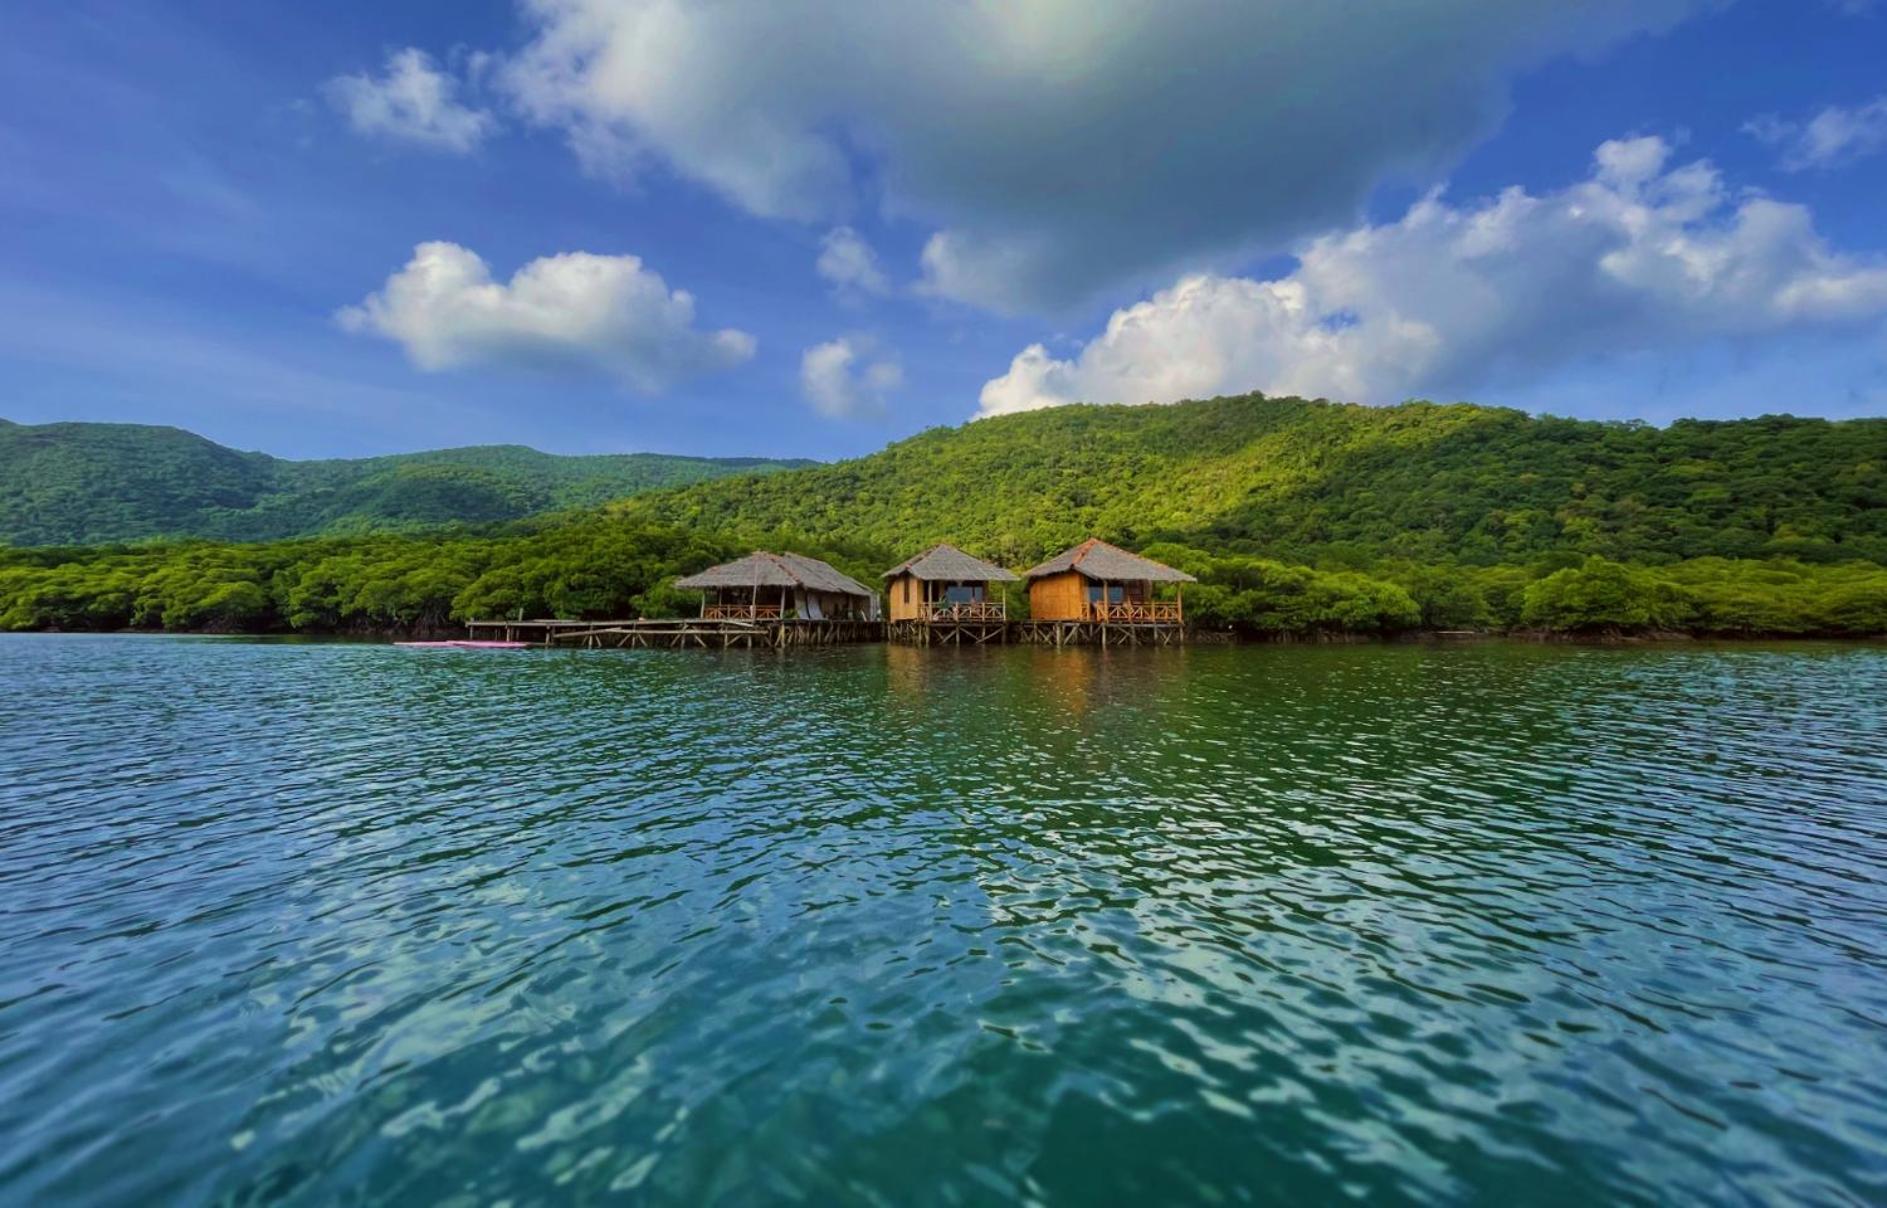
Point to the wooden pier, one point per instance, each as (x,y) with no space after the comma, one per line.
(980,626)
(542,630)
(682,633)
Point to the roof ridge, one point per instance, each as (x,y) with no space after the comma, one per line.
(948,561)
(1112,562)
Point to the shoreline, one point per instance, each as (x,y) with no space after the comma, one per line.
(1206,638)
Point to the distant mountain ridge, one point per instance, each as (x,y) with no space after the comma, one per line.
(93,483)
(1302,480)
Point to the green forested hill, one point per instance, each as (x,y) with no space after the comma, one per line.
(1327,482)
(1301,518)
(88,483)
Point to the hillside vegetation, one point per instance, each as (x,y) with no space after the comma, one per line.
(1326,482)
(1299,518)
(70,484)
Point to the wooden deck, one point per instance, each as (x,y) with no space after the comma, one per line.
(1144,612)
(1111,623)
(970,623)
(740,612)
(978,611)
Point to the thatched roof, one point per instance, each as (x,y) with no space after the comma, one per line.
(950,564)
(1096,559)
(762,569)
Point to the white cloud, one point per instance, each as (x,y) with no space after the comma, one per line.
(575,310)
(848,262)
(1834,136)
(413,102)
(843,378)
(1638,256)
(1055,148)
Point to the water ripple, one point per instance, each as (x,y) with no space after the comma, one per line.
(312,922)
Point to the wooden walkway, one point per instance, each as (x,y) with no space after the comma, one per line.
(541,630)
(726,633)
(699,633)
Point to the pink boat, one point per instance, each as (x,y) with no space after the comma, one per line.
(468,644)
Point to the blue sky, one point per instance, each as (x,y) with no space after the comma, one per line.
(808,228)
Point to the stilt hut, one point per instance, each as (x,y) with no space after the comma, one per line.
(780,587)
(944,594)
(1082,594)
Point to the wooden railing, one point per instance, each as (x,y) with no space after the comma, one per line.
(741,612)
(1145,612)
(970,610)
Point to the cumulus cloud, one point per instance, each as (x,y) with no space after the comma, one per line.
(1640,255)
(413,102)
(848,262)
(846,378)
(606,314)
(1832,137)
(1054,149)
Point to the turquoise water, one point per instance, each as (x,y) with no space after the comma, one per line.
(318,923)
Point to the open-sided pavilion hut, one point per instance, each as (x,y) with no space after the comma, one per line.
(780,587)
(1096,591)
(761,600)
(945,595)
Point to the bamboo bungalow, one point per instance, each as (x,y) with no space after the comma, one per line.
(1100,592)
(784,589)
(943,595)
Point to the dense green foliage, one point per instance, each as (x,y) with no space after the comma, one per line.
(585,569)
(1298,518)
(1710,596)
(597,569)
(1332,483)
(84,483)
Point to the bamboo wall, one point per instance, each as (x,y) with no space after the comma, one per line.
(1062,597)
(901,611)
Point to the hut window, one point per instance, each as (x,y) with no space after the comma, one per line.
(907,589)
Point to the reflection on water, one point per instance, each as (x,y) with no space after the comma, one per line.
(887,925)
